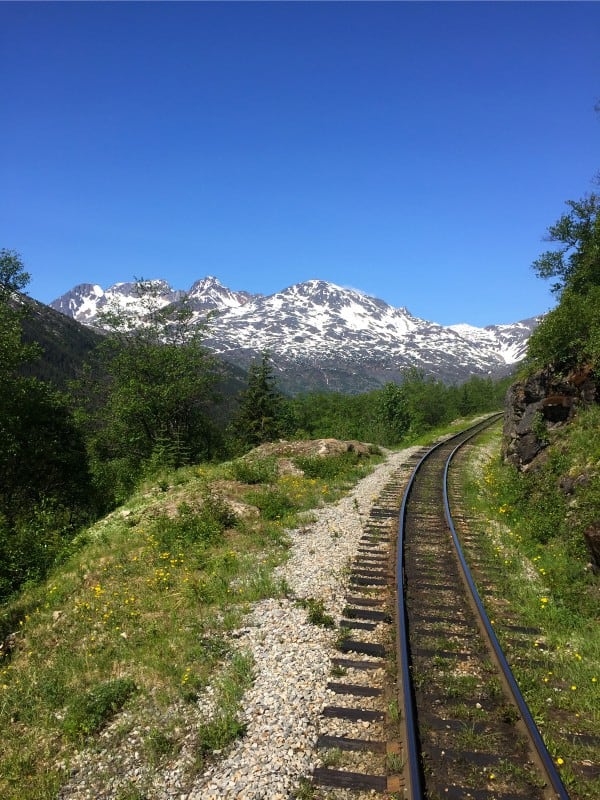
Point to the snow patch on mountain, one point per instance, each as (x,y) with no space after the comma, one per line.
(510,340)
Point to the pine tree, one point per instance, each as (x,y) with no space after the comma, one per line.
(260,417)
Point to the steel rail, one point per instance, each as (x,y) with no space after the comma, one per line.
(414,783)
(544,756)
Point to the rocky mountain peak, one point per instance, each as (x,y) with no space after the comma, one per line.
(321,335)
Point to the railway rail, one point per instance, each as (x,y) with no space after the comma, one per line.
(442,714)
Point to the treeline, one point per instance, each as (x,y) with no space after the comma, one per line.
(394,414)
(146,401)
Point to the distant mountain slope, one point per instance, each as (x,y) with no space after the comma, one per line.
(66,344)
(323,336)
(85,301)
(511,339)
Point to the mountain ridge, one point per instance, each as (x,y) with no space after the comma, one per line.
(321,335)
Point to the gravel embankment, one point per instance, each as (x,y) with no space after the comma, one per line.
(292,665)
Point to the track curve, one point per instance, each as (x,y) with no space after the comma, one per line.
(467,732)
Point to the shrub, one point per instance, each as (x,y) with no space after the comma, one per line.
(253,471)
(328,467)
(273,503)
(203,527)
(569,334)
(31,544)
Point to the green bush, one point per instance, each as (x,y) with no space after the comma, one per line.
(569,335)
(253,471)
(190,527)
(273,503)
(32,542)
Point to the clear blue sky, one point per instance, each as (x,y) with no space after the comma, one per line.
(415,151)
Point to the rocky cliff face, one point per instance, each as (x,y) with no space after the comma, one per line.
(537,405)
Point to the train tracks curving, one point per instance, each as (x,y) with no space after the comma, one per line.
(441,714)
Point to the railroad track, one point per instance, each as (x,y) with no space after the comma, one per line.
(426,707)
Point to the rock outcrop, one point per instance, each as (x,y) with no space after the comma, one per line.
(592,540)
(539,404)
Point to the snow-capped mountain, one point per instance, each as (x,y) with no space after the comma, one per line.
(209,294)
(512,339)
(85,301)
(321,335)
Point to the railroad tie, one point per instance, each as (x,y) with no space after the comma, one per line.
(367,602)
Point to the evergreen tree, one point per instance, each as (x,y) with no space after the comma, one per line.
(260,417)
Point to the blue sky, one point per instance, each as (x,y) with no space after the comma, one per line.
(415,151)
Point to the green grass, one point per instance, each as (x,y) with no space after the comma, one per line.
(225,726)
(137,619)
(530,534)
(90,711)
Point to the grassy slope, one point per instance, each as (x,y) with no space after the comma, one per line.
(137,619)
(533,534)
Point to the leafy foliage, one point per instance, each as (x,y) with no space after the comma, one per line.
(254,470)
(328,467)
(45,491)
(576,262)
(273,502)
(199,528)
(144,404)
(569,335)
(393,414)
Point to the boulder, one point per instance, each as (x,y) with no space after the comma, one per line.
(592,539)
(539,404)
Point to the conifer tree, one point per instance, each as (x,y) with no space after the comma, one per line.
(260,417)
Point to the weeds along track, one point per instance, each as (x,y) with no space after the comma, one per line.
(425,708)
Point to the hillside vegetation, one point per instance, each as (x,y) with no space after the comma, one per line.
(136,623)
(527,535)
(545,513)
(557,496)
